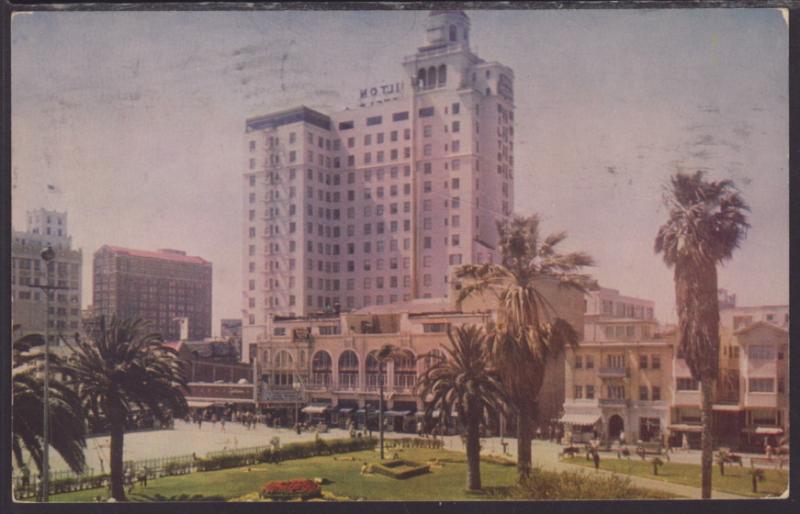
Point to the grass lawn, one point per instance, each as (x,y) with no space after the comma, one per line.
(445,482)
(736,480)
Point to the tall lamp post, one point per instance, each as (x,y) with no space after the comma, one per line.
(47,255)
(380,403)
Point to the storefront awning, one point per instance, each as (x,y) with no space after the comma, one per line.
(345,410)
(581,420)
(769,431)
(196,404)
(397,413)
(315,409)
(681,427)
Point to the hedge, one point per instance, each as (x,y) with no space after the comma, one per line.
(286,452)
(414,442)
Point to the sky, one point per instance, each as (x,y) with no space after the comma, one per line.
(137,119)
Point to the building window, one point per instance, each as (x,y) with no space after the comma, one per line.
(656,394)
(345,125)
(655,361)
(761,385)
(643,362)
(400,116)
(578,392)
(426,112)
(590,392)
(590,362)
(686,384)
(578,362)
(434,327)
(761,352)
(374,120)
(455,108)
(643,393)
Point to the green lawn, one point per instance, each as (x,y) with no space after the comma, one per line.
(736,480)
(445,482)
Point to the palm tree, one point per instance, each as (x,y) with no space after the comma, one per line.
(123,365)
(65,409)
(464,383)
(706,224)
(529,332)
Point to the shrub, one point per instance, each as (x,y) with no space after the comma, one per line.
(291,489)
(576,485)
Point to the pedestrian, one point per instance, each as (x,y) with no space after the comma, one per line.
(685,442)
(538,432)
(419,428)
(199,423)
(596,458)
(142,477)
(222,424)
(26,477)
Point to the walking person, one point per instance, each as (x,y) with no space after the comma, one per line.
(596,458)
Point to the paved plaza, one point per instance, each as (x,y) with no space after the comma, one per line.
(186,439)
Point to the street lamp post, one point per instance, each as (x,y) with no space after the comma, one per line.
(380,404)
(47,255)
(297,386)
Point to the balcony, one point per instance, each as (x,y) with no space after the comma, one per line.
(613,372)
(613,402)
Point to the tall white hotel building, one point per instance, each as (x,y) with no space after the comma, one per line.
(374,205)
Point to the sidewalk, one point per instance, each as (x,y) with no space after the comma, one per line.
(545,454)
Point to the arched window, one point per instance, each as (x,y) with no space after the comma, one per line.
(421,82)
(321,369)
(453,33)
(433,357)
(348,370)
(283,360)
(405,371)
(432,77)
(373,371)
(442,75)
(283,365)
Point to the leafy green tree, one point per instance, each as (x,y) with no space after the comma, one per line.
(27,418)
(463,382)
(706,223)
(529,331)
(122,366)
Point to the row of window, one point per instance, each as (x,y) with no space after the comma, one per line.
(617,392)
(617,361)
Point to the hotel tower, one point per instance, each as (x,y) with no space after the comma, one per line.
(376,204)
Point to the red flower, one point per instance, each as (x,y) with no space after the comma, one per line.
(292,488)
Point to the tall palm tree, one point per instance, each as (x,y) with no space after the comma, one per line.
(465,383)
(123,365)
(529,331)
(65,410)
(706,223)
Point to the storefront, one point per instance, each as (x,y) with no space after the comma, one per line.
(581,428)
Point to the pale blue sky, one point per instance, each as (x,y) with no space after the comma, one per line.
(138,119)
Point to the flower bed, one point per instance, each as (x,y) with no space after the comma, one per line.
(283,490)
(400,469)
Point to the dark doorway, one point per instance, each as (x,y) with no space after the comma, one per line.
(615,426)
